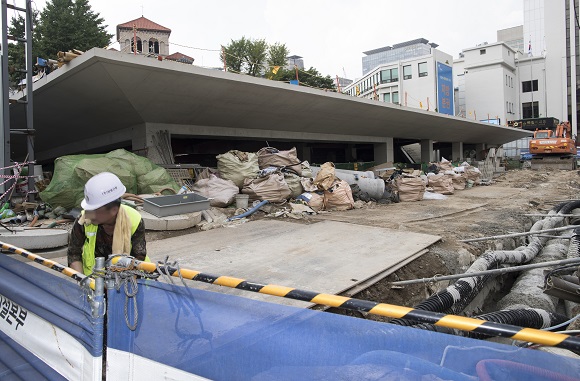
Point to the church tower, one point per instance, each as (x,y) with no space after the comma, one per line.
(151,37)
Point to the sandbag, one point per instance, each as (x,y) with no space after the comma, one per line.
(338,196)
(308,184)
(237,166)
(137,173)
(221,192)
(325,177)
(458,182)
(294,184)
(272,188)
(445,165)
(472,173)
(410,188)
(315,200)
(272,157)
(441,184)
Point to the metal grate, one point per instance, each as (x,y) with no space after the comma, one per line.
(182,176)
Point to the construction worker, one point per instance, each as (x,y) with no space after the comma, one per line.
(105,226)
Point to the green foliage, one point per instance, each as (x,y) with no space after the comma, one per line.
(277,54)
(257,58)
(235,54)
(62,25)
(70,24)
(310,77)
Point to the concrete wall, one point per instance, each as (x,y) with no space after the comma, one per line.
(459,87)
(491,83)
(556,88)
(533,69)
(534,27)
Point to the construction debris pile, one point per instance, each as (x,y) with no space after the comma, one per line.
(293,188)
(440,179)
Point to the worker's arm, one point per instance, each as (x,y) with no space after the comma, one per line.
(138,245)
(75,247)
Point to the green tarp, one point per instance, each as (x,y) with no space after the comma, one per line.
(137,173)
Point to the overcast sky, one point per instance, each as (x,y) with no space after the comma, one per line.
(329,34)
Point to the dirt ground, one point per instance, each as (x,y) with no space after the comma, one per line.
(499,208)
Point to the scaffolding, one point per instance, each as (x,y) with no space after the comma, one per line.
(6,129)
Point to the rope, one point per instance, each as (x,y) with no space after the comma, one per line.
(126,277)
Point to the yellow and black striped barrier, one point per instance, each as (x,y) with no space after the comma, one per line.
(389,310)
(72,273)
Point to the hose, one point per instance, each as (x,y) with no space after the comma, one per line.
(249,212)
(523,317)
(457,296)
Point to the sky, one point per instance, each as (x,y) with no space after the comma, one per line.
(330,34)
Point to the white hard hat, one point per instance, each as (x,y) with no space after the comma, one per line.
(102,189)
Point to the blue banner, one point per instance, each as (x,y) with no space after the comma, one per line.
(184,332)
(47,331)
(445,89)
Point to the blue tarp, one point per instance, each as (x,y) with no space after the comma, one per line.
(225,337)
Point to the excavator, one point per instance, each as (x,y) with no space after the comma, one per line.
(554,149)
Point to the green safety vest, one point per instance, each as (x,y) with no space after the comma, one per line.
(91,239)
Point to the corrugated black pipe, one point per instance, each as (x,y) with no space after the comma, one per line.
(529,317)
(456,297)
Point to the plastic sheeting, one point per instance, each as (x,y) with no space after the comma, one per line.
(224,337)
(47,318)
(138,174)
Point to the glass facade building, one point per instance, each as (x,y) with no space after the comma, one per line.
(404,50)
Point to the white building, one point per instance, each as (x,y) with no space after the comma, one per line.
(423,81)
(489,77)
(509,83)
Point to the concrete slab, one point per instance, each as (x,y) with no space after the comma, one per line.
(177,222)
(31,239)
(326,256)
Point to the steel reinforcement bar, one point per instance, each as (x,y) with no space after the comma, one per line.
(72,273)
(389,310)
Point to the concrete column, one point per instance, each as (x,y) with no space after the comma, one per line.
(384,152)
(426,150)
(304,152)
(480,151)
(457,151)
(350,153)
(143,142)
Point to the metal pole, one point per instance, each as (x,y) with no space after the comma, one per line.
(564,228)
(98,305)
(70,272)
(572,25)
(5,128)
(382,309)
(29,101)
(503,270)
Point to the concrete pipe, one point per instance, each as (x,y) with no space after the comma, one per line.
(365,180)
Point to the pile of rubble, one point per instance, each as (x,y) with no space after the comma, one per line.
(441,179)
(293,188)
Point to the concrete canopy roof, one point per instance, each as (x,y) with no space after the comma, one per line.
(104,91)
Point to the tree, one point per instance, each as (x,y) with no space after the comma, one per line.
(253,57)
(277,54)
(256,57)
(310,77)
(70,24)
(234,54)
